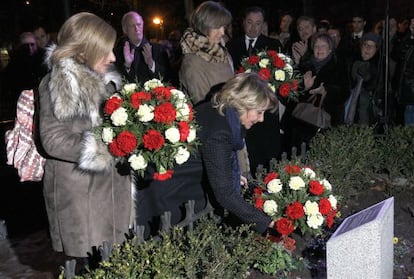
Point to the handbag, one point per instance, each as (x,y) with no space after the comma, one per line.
(312,113)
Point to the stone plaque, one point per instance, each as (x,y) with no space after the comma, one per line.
(362,246)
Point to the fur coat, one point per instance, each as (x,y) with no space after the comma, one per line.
(87,193)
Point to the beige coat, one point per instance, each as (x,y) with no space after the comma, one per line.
(87,195)
(203,65)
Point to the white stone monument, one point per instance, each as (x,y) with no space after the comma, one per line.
(362,246)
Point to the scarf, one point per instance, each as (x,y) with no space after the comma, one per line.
(193,42)
(233,119)
(318,64)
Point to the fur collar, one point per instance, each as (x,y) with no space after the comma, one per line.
(193,42)
(76,90)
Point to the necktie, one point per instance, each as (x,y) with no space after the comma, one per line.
(250,48)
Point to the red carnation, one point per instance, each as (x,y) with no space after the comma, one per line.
(285,226)
(258,202)
(184,130)
(162,93)
(284,89)
(258,191)
(265,73)
(153,140)
(292,169)
(163,176)
(112,104)
(191,113)
(126,141)
(330,218)
(114,149)
(241,70)
(295,210)
(138,97)
(164,113)
(294,85)
(270,176)
(315,187)
(324,206)
(272,53)
(289,243)
(278,62)
(254,59)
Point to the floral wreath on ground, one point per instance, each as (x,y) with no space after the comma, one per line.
(148,126)
(297,199)
(277,70)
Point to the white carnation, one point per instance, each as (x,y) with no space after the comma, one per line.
(183,111)
(274,186)
(263,63)
(153,83)
(333,201)
(119,116)
(178,94)
(182,155)
(248,71)
(280,75)
(296,183)
(270,207)
(145,113)
(172,134)
(308,172)
(129,87)
(311,208)
(315,220)
(326,184)
(272,87)
(191,135)
(107,135)
(137,162)
(288,69)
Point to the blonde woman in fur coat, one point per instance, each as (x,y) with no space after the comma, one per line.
(87,193)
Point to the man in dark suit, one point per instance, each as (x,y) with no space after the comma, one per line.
(253,23)
(136,58)
(263,139)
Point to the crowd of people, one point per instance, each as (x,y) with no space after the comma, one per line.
(90,196)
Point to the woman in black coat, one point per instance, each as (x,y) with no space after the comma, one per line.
(214,172)
(326,78)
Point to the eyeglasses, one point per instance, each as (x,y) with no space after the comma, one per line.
(368,46)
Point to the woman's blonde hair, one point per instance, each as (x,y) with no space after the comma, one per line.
(209,15)
(85,37)
(244,92)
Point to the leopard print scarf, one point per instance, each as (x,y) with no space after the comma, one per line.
(192,42)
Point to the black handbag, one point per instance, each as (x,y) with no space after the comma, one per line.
(312,113)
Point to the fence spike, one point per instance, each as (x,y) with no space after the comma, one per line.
(105,250)
(272,164)
(303,151)
(139,233)
(189,213)
(3,230)
(70,266)
(294,153)
(284,156)
(166,221)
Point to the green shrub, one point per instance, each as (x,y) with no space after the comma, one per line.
(347,156)
(397,150)
(208,251)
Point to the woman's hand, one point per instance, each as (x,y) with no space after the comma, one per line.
(319,90)
(308,80)
(243,181)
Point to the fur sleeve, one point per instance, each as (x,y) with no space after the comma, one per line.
(94,154)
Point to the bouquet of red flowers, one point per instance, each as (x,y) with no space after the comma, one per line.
(276,69)
(297,199)
(153,125)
